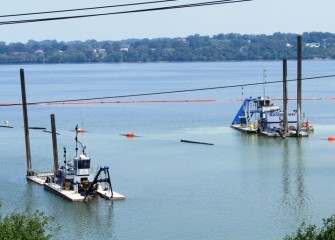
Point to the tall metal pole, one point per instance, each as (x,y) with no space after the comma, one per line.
(25,121)
(285,95)
(264,76)
(54,142)
(299,71)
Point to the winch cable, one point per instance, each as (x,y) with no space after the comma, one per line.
(85,9)
(202,4)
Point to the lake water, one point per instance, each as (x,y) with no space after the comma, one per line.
(243,187)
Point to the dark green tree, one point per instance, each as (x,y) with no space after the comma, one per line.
(312,232)
(25,226)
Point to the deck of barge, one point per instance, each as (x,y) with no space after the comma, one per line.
(69,194)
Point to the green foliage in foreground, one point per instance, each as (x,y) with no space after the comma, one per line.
(25,226)
(311,232)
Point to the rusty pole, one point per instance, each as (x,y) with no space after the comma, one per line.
(299,74)
(54,142)
(285,95)
(25,121)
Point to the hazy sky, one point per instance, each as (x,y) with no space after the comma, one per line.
(254,17)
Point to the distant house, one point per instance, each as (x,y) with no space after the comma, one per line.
(19,53)
(289,45)
(125,49)
(183,40)
(100,52)
(313,45)
(39,51)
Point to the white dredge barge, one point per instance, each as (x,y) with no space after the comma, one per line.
(77,180)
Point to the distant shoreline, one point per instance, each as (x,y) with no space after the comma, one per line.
(194,48)
(183,62)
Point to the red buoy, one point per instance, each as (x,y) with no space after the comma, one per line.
(130,135)
(80,130)
(331,138)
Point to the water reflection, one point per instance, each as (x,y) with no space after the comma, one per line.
(81,220)
(294,204)
(29,199)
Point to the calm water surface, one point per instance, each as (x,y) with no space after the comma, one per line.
(243,187)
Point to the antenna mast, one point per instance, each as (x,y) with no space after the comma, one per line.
(76,140)
(264,77)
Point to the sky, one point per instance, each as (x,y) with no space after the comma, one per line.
(252,17)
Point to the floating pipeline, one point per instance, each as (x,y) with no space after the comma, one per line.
(6,126)
(130,102)
(110,102)
(195,142)
(37,128)
(151,101)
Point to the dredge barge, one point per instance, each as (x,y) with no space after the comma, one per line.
(261,115)
(76,179)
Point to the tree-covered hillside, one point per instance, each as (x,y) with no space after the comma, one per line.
(221,47)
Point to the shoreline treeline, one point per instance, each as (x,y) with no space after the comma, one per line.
(221,47)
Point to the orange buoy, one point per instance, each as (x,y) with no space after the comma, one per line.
(130,135)
(80,130)
(331,138)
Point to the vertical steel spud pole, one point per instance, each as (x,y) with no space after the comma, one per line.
(25,121)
